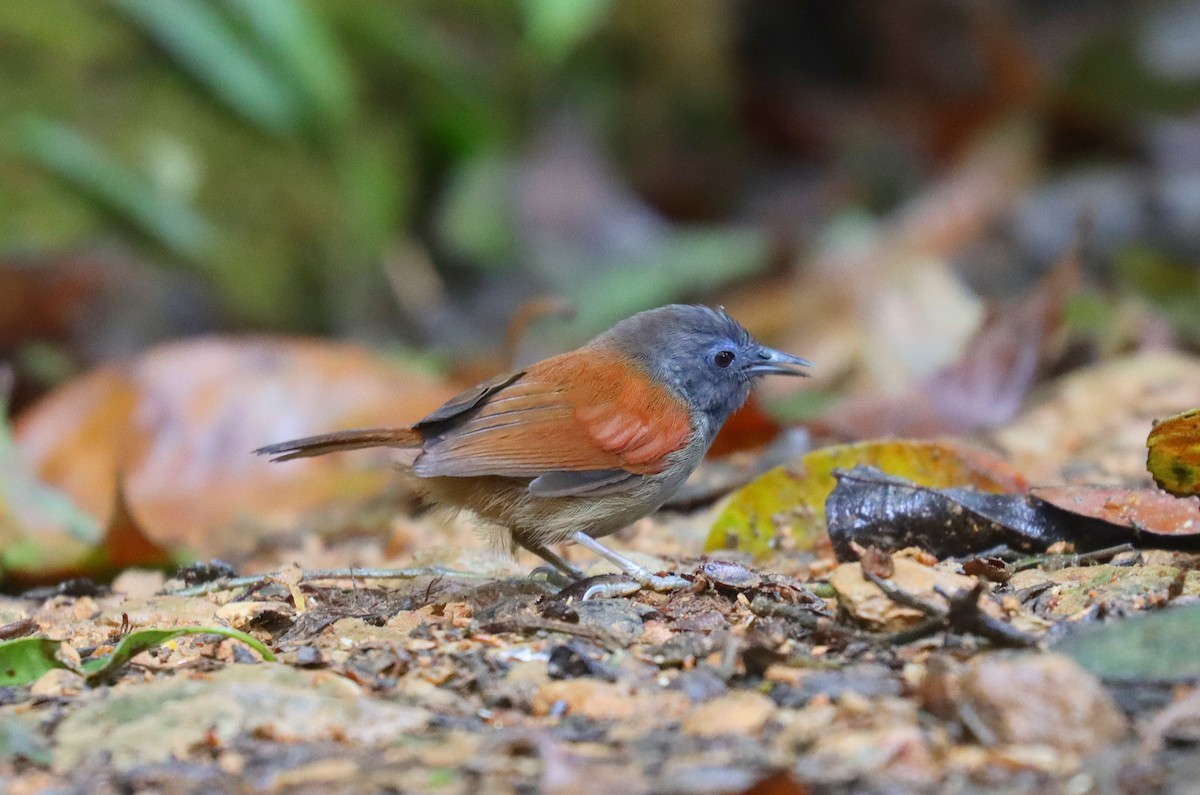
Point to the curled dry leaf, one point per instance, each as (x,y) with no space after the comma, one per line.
(870,508)
(180,423)
(985,387)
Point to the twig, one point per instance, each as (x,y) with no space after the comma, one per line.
(763,606)
(1054,562)
(18,629)
(965,616)
(530,623)
(229,583)
(961,614)
(903,597)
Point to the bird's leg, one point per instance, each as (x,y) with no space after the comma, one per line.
(561,566)
(642,575)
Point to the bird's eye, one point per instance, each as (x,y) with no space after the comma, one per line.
(723,358)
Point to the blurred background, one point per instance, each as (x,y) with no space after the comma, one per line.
(866,184)
(413,172)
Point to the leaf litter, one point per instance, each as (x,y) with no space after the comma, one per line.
(411,659)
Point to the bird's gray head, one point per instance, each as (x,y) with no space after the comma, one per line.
(702,354)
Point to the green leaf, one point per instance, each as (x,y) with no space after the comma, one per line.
(28,506)
(1163,646)
(25,659)
(77,161)
(475,220)
(306,56)
(375,176)
(554,27)
(205,45)
(137,642)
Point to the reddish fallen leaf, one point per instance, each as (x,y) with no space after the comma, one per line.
(126,543)
(180,423)
(1174,453)
(749,428)
(780,783)
(984,388)
(1145,513)
(43,299)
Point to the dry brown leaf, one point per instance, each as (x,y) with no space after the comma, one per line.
(987,384)
(181,421)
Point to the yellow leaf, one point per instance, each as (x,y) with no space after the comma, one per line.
(786,506)
(1174,453)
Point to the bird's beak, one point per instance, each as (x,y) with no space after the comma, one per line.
(769,361)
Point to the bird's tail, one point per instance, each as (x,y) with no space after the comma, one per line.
(341,441)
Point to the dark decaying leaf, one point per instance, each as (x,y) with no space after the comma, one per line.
(869,508)
(1174,453)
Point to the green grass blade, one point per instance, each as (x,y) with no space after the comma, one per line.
(137,642)
(306,55)
(83,165)
(204,45)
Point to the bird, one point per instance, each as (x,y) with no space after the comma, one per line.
(579,445)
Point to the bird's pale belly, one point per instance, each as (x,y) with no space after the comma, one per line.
(539,521)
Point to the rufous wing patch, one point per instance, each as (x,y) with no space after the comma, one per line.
(584,410)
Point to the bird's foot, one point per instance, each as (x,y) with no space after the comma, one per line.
(663,583)
(638,575)
(611,588)
(614,585)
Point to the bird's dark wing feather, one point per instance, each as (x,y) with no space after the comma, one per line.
(595,483)
(465,401)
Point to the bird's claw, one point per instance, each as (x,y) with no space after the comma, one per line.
(663,583)
(611,589)
(633,582)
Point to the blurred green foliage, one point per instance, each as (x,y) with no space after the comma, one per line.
(285,149)
(306,160)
